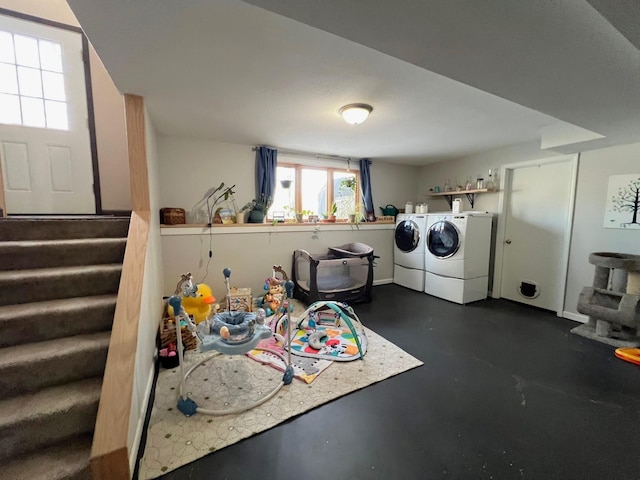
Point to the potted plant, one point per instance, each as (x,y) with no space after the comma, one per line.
(298,215)
(331,216)
(348,182)
(356,215)
(257,210)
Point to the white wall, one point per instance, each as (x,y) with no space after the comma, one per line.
(394,184)
(113,160)
(457,172)
(151,306)
(588,234)
(189,167)
(251,256)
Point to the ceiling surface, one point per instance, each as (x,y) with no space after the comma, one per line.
(446,79)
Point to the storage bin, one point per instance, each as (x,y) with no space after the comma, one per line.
(172,216)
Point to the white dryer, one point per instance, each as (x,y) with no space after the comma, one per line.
(409,250)
(457,256)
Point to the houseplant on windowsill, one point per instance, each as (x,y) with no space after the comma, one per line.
(331,217)
(297,215)
(257,210)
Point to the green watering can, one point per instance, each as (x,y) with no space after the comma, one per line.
(389,210)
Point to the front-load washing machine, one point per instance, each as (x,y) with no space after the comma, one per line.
(457,256)
(408,250)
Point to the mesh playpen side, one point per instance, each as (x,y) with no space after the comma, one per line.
(340,275)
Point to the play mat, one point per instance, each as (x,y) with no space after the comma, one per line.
(323,333)
(174,440)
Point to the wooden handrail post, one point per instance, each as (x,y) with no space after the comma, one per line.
(110,450)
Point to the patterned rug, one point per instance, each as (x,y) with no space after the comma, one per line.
(230,381)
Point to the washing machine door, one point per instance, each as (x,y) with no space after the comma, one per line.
(407,236)
(443,239)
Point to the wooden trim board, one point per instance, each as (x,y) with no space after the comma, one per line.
(109,452)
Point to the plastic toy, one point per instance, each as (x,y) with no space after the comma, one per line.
(272,301)
(631,355)
(231,333)
(329,330)
(197,303)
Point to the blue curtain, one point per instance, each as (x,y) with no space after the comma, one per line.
(365,185)
(266,161)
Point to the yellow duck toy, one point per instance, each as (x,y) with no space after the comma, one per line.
(200,306)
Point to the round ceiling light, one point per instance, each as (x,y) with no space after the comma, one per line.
(355,113)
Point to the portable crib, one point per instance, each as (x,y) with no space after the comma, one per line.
(343,274)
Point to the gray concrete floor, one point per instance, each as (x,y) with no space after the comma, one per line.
(506,392)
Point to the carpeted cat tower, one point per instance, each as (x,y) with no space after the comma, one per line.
(613,302)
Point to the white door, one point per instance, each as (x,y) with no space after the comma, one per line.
(44,135)
(539,202)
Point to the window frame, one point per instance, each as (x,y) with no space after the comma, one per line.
(330,197)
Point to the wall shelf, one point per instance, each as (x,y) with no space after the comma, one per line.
(471,195)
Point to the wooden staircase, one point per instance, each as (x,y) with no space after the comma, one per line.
(58,284)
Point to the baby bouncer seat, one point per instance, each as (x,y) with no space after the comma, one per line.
(342,274)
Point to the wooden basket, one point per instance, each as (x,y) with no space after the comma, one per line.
(172,216)
(168,335)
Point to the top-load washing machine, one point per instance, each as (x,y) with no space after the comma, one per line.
(409,250)
(457,254)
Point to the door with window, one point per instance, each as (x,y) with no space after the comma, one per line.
(45,148)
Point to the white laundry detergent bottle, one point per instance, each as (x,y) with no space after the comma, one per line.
(408,207)
(457,206)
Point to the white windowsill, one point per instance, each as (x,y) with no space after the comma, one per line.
(269,228)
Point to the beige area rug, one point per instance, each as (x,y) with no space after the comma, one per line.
(227,381)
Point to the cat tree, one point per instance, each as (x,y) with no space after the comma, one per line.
(613,302)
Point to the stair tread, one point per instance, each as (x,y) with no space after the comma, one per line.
(52,349)
(65,305)
(64,460)
(49,401)
(20,275)
(62,242)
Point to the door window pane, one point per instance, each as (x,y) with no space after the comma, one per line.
(31,73)
(26,51)
(50,56)
(8,78)
(56,115)
(30,82)
(6,48)
(10,109)
(53,86)
(32,112)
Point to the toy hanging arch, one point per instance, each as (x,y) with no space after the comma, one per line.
(316,330)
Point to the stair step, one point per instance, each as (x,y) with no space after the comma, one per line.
(37,285)
(31,367)
(40,321)
(30,254)
(29,422)
(68,460)
(58,228)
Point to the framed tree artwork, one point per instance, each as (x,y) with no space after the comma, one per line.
(623,202)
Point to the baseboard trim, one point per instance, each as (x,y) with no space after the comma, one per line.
(383,281)
(133,451)
(577,317)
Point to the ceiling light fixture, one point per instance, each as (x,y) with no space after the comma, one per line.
(355,113)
